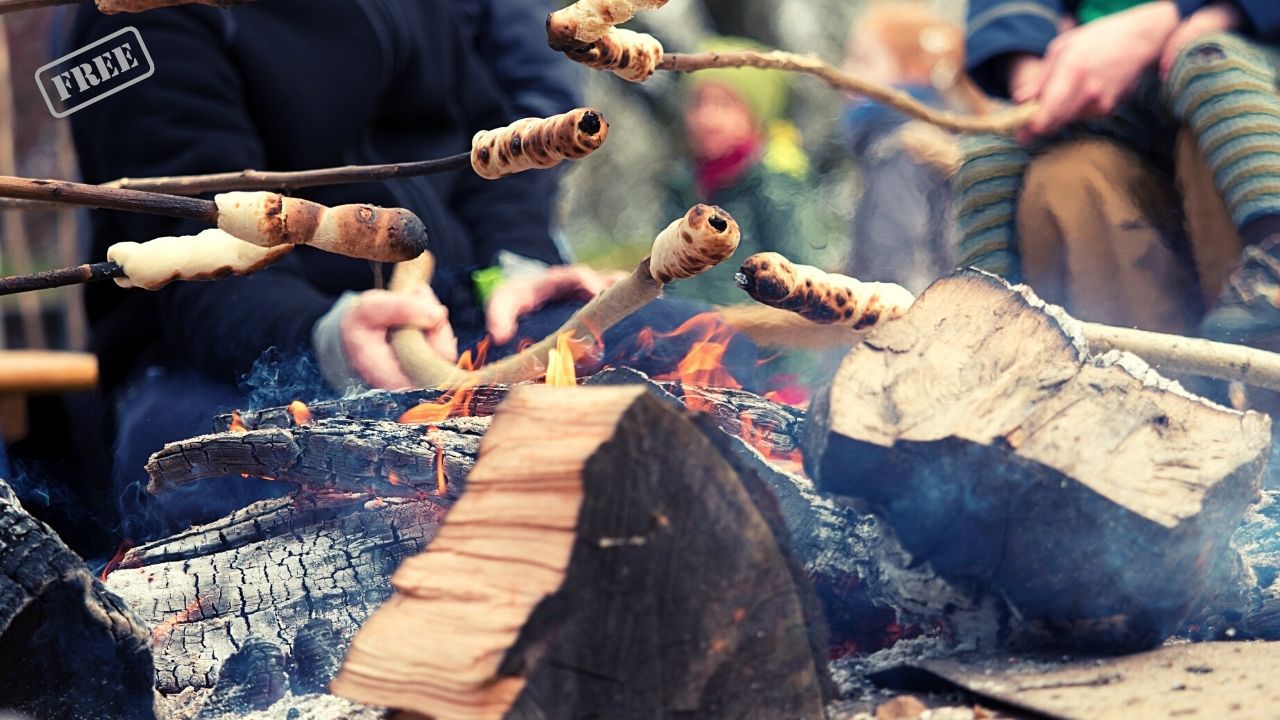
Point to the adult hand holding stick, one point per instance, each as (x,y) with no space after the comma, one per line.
(702,239)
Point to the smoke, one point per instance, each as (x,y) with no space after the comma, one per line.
(279,377)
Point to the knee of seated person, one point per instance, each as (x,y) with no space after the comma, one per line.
(1207,50)
(1073,171)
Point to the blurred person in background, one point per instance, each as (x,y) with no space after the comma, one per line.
(902,224)
(744,157)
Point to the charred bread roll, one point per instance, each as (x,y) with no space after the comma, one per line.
(631,56)
(821,297)
(360,231)
(534,143)
(211,255)
(586,21)
(111,7)
(705,237)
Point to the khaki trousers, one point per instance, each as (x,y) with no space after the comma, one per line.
(1105,236)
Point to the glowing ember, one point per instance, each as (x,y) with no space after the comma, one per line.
(186,615)
(442,481)
(560,366)
(300,412)
(760,438)
(393,478)
(237,424)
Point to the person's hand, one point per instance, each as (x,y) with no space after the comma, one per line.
(1026,74)
(1217,17)
(523,294)
(1090,69)
(365,326)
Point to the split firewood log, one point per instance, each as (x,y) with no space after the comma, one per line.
(1093,497)
(705,237)
(614,567)
(69,648)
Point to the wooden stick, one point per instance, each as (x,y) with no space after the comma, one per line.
(1194,356)
(703,238)
(287,181)
(89,272)
(111,7)
(95,196)
(1002,122)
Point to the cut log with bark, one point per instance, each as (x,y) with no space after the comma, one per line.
(1093,497)
(606,561)
(69,648)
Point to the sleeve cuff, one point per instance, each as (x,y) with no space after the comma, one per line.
(1188,7)
(988,48)
(326,339)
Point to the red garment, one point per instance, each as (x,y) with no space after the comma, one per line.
(714,175)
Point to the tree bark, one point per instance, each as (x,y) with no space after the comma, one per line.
(68,646)
(1093,497)
(607,561)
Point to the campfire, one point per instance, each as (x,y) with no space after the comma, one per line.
(579,545)
(987,506)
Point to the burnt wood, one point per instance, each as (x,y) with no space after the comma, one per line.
(1092,497)
(69,648)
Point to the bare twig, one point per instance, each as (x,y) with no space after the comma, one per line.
(287,181)
(1004,122)
(111,7)
(1194,356)
(60,278)
(95,196)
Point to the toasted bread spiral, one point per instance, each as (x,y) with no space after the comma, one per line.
(631,56)
(705,237)
(211,255)
(819,296)
(360,231)
(534,143)
(588,20)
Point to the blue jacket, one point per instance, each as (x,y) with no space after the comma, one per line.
(996,28)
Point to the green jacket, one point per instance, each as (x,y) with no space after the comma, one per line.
(775,211)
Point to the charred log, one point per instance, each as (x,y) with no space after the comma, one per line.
(615,568)
(1092,497)
(269,571)
(68,646)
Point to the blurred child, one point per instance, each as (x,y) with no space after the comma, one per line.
(744,157)
(901,228)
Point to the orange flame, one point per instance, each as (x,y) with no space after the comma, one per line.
(114,562)
(300,412)
(759,438)
(237,423)
(393,478)
(456,401)
(560,365)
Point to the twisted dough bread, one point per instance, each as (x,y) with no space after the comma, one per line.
(537,143)
(360,231)
(211,255)
(631,56)
(819,296)
(588,20)
(705,237)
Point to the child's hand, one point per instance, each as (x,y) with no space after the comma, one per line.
(1090,69)
(1218,17)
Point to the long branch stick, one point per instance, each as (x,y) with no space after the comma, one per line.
(90,272)
(292,180)
(1193,356)
(112,6)
(95,196)
(1003,122)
